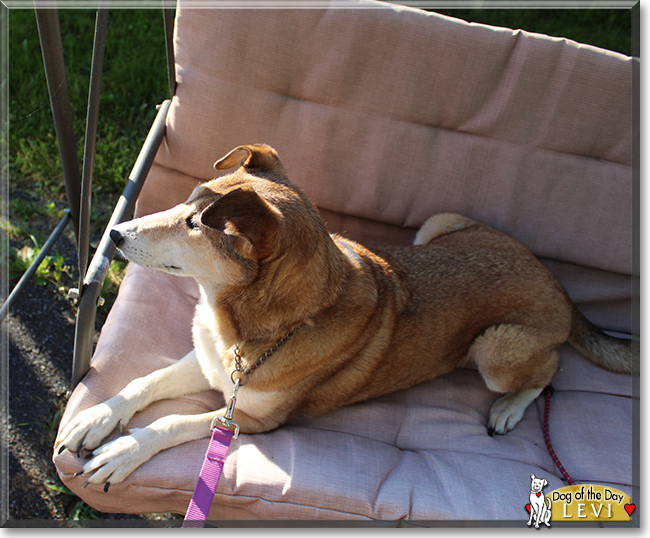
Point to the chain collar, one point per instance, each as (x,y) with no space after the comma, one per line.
(239,368)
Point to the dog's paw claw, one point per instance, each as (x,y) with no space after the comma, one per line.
(123,429)
(106,486)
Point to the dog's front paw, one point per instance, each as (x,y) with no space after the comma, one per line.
(114,461)
(90,427)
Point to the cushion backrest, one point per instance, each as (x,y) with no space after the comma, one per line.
(387,115)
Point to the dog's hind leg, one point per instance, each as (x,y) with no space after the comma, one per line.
(516,360)
(441,224)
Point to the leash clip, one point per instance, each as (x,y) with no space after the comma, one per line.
(228,424)
(227,420)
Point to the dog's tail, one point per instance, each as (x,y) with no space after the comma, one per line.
(441,224)
(614,354)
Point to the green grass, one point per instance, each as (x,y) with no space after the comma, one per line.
(134,80)
(52,269)
(79,511)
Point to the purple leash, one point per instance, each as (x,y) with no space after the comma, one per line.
(215,457)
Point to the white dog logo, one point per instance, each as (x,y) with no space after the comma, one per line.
(540,506)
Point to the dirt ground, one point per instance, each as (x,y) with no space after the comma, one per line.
(40,334)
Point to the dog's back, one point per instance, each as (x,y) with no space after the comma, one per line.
(449,291)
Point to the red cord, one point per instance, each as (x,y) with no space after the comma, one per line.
(547,437)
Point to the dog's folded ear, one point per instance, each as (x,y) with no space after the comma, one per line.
(252,157)
(250,220)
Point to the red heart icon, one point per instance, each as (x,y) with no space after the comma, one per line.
(538,494)
(528,508)
(629,508)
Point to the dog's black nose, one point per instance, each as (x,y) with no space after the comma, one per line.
(116,237)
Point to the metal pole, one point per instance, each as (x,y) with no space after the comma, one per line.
(90,139)
(98,268)
(34,266)
(169,40)
(57,85)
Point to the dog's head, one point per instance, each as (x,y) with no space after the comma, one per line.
(251,238)
(229,227)
(537,484)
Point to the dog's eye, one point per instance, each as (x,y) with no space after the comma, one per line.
(191,224)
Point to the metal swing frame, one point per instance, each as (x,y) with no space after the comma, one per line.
(78,180)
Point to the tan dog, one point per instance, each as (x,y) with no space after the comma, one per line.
(341,323)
